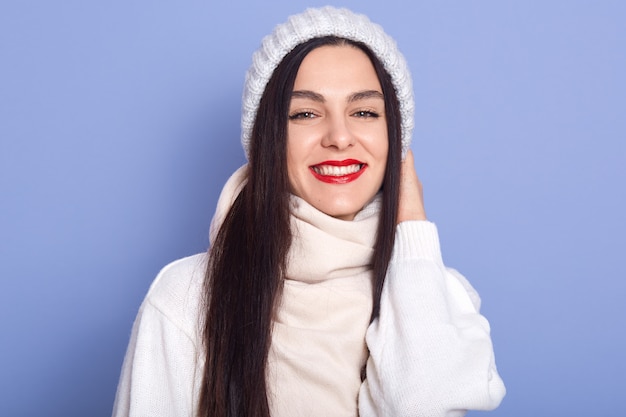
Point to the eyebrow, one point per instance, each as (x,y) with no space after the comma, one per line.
(308,94)
(360,95)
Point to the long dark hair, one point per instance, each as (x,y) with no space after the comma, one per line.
(244,276)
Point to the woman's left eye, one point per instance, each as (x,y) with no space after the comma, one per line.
(366,114)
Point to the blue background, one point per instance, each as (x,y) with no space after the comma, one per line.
(119,123)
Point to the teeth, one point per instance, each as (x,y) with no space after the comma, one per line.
(334,171)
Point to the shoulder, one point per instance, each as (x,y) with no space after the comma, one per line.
(176,292)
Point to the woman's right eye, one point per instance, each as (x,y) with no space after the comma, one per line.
(302,115)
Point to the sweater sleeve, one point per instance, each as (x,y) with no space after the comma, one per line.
(430,349)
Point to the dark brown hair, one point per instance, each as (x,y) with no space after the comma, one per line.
(246,266)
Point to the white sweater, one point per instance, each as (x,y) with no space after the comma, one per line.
(430,352)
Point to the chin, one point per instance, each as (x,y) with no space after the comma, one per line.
(344,213)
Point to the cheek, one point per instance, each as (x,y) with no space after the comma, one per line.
(295,168)
(291,170)
(376,139)
(300,145)
(382,151)
(380,148)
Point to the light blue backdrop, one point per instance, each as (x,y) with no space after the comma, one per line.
(119,123)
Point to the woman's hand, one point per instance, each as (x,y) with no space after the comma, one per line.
(411,205)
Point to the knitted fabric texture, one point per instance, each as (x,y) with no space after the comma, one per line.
(314,23)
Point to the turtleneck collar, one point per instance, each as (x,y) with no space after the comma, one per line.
(324,247)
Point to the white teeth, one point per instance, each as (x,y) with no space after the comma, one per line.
(334,171)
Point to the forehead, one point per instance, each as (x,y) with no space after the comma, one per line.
(335,66)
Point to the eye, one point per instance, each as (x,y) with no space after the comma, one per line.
(302,115)
(366,114)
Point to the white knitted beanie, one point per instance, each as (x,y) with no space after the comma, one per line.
(314,23)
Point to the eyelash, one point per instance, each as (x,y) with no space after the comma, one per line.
(310,115)
(302,115)
(366,114)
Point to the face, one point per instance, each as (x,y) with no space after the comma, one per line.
(337,131)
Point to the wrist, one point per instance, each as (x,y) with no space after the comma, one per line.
(405,215)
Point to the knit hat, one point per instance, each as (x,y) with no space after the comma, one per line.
(314,23)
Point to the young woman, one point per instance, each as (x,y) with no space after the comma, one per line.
(323,292)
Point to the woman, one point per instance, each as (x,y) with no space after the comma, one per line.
(324,292)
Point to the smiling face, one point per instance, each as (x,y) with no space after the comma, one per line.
(337,131)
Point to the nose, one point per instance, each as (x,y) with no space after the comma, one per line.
(338,134)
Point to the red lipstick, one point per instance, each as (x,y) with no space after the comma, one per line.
(338,172)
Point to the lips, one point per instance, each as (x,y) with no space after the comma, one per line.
(338,172)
